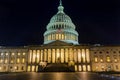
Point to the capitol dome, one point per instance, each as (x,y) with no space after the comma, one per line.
(61,28)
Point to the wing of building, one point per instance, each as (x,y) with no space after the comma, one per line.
(60,51)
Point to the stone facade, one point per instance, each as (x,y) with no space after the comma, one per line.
(13,59)
(105,58)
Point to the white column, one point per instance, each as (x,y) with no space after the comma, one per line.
(75,55)
(66,55)
(79,55)
(87,55)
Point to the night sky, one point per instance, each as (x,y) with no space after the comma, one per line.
(23,22)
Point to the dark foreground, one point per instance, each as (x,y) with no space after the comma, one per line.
(57,76)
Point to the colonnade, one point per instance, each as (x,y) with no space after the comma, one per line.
(61,36)
(77,56)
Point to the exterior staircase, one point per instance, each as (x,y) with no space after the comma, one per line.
(57,67)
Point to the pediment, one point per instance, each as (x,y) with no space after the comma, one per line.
(59,43)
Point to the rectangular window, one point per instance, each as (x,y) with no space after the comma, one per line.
(23,60)
(84,67)
(108,59)
(96,59)
(6,60)
(18,60)
(28,68)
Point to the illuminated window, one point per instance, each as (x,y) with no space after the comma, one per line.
(6,60)
(16,67)
(108,59)
(84,67)
(88,68)
(48,37)
(1,61)
(18,60)
(101,60)
(12,61)
(23,60)
(62,37)
(1,54)
(6,54)
(80,68)
(33,68)
(96,68)
(96,59)
(13,53)
(23,53)
(18,54)
(72,37)
(57,36)
(115,60)
(75,67)
(52,36)
(36,68)
(28,69)
(65,37)
(103,68)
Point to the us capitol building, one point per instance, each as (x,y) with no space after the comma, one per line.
(60,49)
